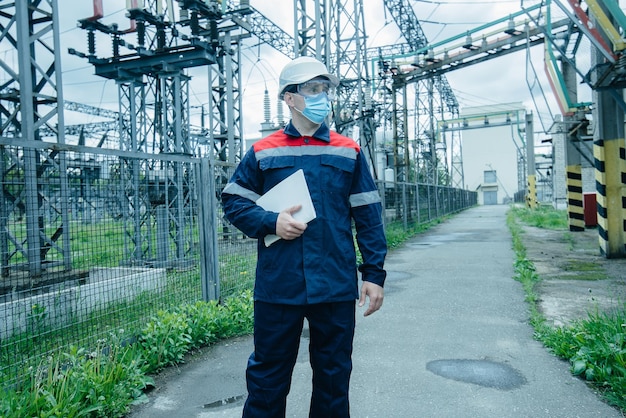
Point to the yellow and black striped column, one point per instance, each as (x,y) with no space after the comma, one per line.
(575,210)
(610,162)
(609,155)
(531,198)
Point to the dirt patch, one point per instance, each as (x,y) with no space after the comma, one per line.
(576,278)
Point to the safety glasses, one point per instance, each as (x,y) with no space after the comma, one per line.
(315,87)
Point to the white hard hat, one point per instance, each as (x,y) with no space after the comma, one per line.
(303,69)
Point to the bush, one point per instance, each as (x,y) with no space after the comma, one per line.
(165,339)
(105,382)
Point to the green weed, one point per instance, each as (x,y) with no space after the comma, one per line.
(542,217)
(105,382)
(595,347)
(165,339)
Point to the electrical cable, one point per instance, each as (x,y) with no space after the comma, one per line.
(457,2)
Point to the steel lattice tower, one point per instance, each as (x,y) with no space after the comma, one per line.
(35,184)
(225,123)
(433,94)
(154,107)
(334,32)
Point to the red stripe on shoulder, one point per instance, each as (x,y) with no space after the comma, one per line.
(277,139)
(339,140)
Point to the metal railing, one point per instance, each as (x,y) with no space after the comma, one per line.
(119,236)
(415,203)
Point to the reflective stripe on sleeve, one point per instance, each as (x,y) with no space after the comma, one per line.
(234,188)
(366,198)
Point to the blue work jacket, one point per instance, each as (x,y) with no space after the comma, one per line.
(320,266)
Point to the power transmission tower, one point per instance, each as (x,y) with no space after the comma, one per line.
(435,94)
(334,32)
(354,115)
(35,188)
(154,103)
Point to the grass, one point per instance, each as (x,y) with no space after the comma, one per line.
(39,337)
(396,233)
(542,217)
(596,349)
(596,346)
(106,380)
(578,265)
(583,270)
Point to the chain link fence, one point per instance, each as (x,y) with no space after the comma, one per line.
(411,204)
(95,242)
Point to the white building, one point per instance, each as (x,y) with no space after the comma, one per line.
(491,146)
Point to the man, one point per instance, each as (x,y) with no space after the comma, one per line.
(311,272)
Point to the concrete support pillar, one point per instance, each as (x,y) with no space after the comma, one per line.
(610,161)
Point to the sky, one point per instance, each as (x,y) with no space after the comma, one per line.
(502,80)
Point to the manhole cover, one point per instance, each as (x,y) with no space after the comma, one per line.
(479,372)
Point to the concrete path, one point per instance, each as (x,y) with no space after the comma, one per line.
(452,340)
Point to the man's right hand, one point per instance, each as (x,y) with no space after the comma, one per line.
(287,227)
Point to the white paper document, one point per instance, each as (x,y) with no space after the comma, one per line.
(292,191)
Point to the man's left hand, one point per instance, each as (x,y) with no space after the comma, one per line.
(375,293)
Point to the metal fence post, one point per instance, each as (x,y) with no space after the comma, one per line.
(405,204)
(207,224)
(430,215)
(417,203)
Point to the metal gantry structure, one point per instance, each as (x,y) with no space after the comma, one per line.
(153,97)
(153,91)
(432,100)
(426,66)
(402,86)
(362,104)
(153,115)
(34,184)
(603,24)
(333,32)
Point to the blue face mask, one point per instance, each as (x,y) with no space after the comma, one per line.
(316,108)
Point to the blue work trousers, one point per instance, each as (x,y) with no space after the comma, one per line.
(277,331)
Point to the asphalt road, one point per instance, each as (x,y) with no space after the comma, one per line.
(452,340)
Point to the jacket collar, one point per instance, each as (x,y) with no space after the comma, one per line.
(322,133)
